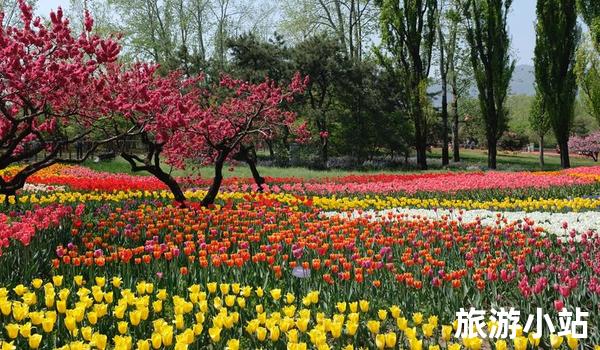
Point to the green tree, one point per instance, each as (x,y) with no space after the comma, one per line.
(409,32)
(489,44)
(323,59)
(557,36)
(539,122)
(590,11)
(587,70)
(253,59)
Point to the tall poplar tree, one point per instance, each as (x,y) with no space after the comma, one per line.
(557,36)
(409,31)
(487,35)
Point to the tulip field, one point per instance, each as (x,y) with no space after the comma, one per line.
(94,260)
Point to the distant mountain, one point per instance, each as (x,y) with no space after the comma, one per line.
(523,81)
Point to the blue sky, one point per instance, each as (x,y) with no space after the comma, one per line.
(521,27)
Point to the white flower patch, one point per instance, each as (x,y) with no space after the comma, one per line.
(42,188)
(560,224)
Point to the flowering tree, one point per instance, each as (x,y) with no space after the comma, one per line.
(586,145)
(53,92)
(158,106)
(234,115)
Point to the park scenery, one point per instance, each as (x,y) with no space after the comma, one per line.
(169,183)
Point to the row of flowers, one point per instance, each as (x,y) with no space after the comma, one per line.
(103,313)
(81,178)
(22,226)
(567,224)
(410,260)
(344,203)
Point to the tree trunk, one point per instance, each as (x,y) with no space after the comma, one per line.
(244,155)
(211,195)
(420,138)
(445,152)
(455,137)
(271,151)
(563,146)
(173,186)
(324,152)
(492,150)
(542,151)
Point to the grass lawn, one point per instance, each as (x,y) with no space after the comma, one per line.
(506,161)
(517,161)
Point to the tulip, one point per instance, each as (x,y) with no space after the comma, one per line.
(34,341)
(572,342)
(261,333)
(520,343)
(233,344)
(501,344)
(373,326)
(555,341)
(380,341)
(12,330)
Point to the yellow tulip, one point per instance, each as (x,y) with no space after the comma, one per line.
(276,294)
(402,323)
(156,340)
(100,340)
(25,330)
(428,329)
(259,292)
(8,346)
(34,341)
(555,341)
(135,317)
(364,306)
(86,333)
(143,344)
(289,298)
(454,346)
(380,341)
(48,324)
(57,280)
(572,342)
(415,344)
(122,327)
(501,344)
(395,311)
(382,314)
(353,306)
(224,287)
(92,317)
(117,281)
(233,344)
(37,283)
(292,336)
(390,339)
(446,332)
(520,343)
(215,334)
(417,318)
(274,333)
(373,326)
(433,347)
(261,333)
(535,341)
(12,330)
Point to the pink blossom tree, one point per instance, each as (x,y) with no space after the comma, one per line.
(235,114)
(588,146)
(158,106)
(53,92)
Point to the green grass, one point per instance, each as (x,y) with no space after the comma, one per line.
(517,161)
(241,170)
(506,161)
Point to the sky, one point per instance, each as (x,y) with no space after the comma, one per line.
(520,23)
